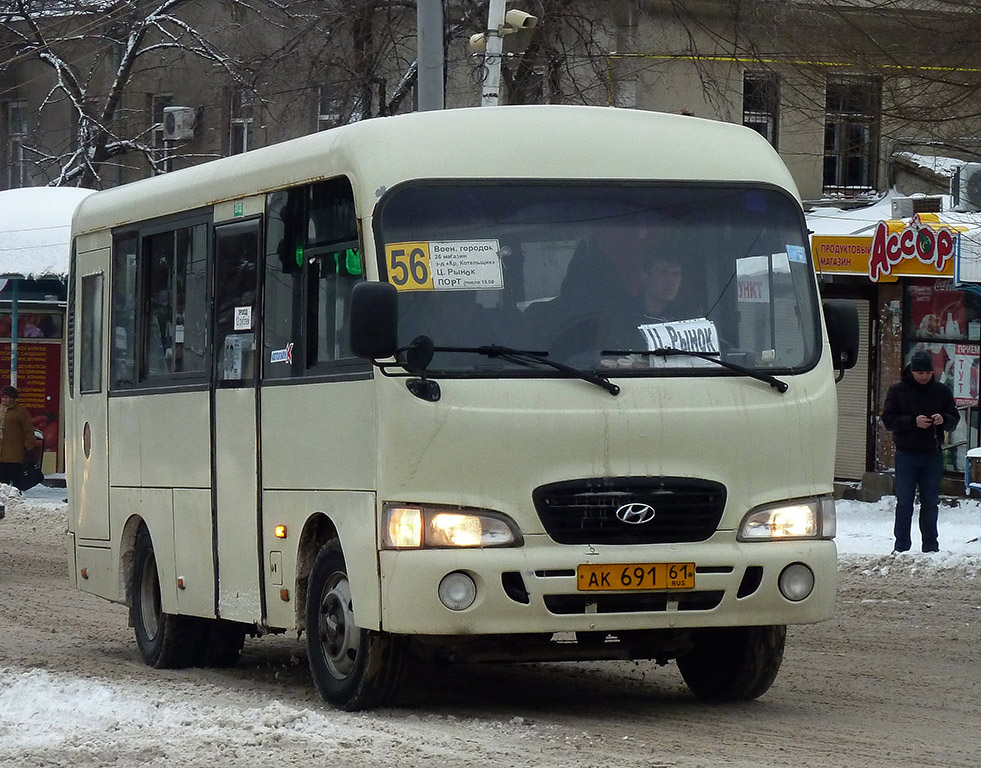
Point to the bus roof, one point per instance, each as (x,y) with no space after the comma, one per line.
(519,142)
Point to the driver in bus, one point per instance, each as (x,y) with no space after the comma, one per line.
(660,277)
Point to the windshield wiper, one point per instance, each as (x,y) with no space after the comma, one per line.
(419,355)
(777,384)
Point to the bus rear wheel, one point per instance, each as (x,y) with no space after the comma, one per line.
(733,663)
(353,668)
(165,641)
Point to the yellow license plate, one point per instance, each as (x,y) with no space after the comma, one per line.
(622,576)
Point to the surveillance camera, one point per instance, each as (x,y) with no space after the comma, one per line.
(478,42)
(520,19)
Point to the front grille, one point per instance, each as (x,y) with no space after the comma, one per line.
(584,511)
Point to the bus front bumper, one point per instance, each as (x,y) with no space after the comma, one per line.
(535,588)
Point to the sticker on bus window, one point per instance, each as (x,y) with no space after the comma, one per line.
(243,318)
(282,355)
(445,265)
(797,254)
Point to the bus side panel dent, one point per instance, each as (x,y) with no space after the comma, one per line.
(352,514)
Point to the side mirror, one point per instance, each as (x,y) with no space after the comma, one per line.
(374,320)
(841,317)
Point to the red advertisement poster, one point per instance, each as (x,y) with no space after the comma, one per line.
(38,384)
(937,310)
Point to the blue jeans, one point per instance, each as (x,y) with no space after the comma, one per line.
(923,470)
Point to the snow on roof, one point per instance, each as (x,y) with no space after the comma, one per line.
(35,230)
(863,220)
(942,166)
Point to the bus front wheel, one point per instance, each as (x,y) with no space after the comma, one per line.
(353,668)
(165,641)
(733,663)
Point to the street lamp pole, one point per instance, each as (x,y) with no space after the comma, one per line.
(13,331)
(14,282)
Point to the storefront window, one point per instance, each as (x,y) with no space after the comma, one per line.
(33,325)
(946,322)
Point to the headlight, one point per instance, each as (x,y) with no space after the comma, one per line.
(812,518)
(406,526)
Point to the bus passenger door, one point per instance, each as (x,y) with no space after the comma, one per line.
(234,447)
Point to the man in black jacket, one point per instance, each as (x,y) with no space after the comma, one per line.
(918,410)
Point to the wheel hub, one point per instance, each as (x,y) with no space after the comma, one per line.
(339,636)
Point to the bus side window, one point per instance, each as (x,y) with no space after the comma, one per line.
(174,319)
(313,261)
(124,306)
(90,368)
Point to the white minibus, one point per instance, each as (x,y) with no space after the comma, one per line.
(520,383)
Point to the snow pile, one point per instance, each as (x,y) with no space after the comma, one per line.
(865,539)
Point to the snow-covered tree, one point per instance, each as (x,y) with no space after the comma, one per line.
(91,69)
(90,54)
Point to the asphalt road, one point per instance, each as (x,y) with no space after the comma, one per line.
(893,680)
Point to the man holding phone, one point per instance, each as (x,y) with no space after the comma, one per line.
(918,411)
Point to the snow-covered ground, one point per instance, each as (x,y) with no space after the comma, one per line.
(49,717)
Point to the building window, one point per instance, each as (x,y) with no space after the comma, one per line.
(162,161)
(761,100)
(851,132)
(16,138)
(240,129)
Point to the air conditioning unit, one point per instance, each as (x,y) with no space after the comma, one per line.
(178,123)
(965,187)
(905,207)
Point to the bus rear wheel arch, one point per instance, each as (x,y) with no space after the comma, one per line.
(165,641)
(168,641)
(353,668)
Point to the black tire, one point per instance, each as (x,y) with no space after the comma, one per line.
(733,663)
(353,668)
(165,641)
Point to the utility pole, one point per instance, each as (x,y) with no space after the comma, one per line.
(429,54)
(490,44)
(492,55)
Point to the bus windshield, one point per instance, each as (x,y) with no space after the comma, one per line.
(601,276)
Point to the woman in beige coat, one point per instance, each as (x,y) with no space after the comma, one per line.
(16,434)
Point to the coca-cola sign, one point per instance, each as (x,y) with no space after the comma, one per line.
(927,242)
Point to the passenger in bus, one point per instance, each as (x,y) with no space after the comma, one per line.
(16,434)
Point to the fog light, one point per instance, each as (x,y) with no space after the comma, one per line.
(457,591)
(796,582)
